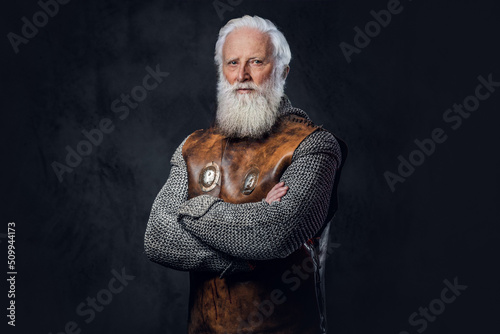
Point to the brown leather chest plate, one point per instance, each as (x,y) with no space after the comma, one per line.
(243,171)
(248,169)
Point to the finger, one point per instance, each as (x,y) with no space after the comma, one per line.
(278,185)
(279,194)
(279,191)
(276,195)
(271,199)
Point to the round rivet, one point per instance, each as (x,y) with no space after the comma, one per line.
(209,176)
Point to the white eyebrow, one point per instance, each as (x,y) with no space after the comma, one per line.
(249,59)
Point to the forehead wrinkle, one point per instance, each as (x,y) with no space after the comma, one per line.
(247,43)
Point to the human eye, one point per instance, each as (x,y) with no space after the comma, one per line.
(232,62)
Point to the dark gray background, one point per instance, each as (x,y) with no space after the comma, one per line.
(395,248)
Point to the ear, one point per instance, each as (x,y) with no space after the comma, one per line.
(285,71)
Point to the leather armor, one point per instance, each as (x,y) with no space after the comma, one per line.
(273,297)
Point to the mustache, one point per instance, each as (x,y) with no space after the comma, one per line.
(244,85)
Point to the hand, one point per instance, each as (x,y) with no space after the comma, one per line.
(275,194)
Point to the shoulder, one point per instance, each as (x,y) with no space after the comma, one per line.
(177,156)
(320,141)
(203,140)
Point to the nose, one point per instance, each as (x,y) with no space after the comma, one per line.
(243,74)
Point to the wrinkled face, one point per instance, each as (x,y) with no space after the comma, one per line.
(248,90)
(247,58)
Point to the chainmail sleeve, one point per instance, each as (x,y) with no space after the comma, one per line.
(167,243)
(259,231)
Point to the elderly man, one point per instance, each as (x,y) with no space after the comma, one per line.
(247,201)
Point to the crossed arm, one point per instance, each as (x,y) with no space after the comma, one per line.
(166,242)
(205,233)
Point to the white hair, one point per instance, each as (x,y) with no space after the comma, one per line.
(281,49)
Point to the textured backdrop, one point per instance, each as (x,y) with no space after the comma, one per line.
(81,70)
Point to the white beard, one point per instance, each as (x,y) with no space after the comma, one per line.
(248,115)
